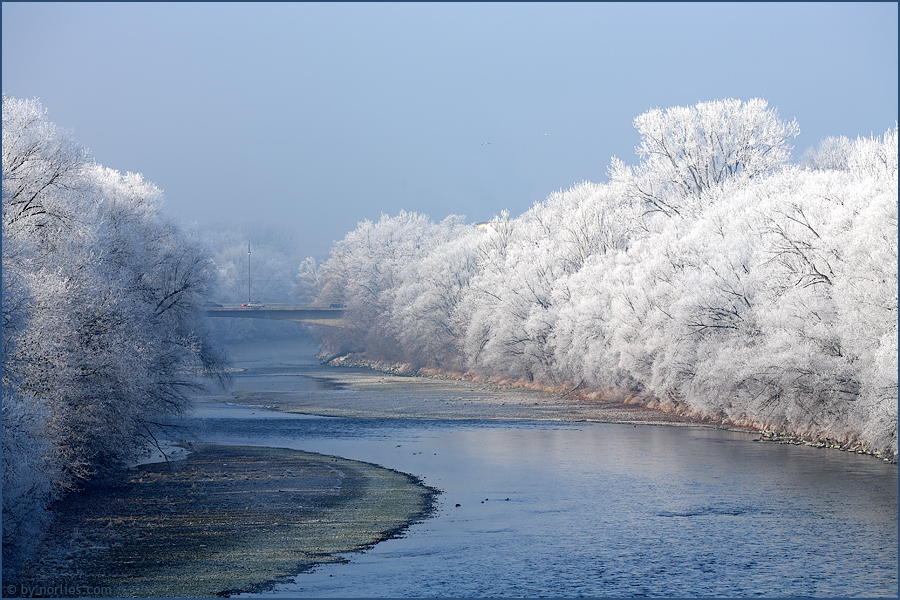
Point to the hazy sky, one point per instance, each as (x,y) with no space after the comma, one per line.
(317,116)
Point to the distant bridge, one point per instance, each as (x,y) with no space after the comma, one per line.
(302,314)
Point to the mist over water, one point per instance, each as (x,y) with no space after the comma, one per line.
(592,509)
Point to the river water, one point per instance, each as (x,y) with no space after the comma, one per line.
(563,509)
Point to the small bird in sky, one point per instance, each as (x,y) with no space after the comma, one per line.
(483,143)
(546,133)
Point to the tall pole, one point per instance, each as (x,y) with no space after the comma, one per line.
(248,273)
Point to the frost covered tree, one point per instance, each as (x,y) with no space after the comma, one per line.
(832,153)
(102,319)
(365,271)
(689,152)
(875,156)
(522,283)
(39,161)
(769,307)
(308,284)
(426,313)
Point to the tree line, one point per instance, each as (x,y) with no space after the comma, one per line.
(103,326)
(713,277)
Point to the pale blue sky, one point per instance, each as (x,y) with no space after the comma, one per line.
(316,116)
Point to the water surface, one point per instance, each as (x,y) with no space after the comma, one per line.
(594,509)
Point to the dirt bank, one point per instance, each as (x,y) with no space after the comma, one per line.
(223,520)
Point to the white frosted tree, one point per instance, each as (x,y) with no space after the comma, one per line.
(831,154)
(308,284)
(522,282)
(102,318)
(426,311)
(689,152)
(365,271)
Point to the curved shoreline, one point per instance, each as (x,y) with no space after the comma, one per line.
(226,520)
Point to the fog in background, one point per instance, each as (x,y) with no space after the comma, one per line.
(313,117)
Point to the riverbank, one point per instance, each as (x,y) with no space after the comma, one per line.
(223,520)
(578,404)
(371,390)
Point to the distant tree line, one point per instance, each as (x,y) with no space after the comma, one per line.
(713,277)
(103,325)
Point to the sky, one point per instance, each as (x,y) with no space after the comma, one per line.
(315,116)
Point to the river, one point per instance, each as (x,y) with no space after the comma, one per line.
(566,509)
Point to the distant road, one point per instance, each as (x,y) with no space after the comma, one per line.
(302,314)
